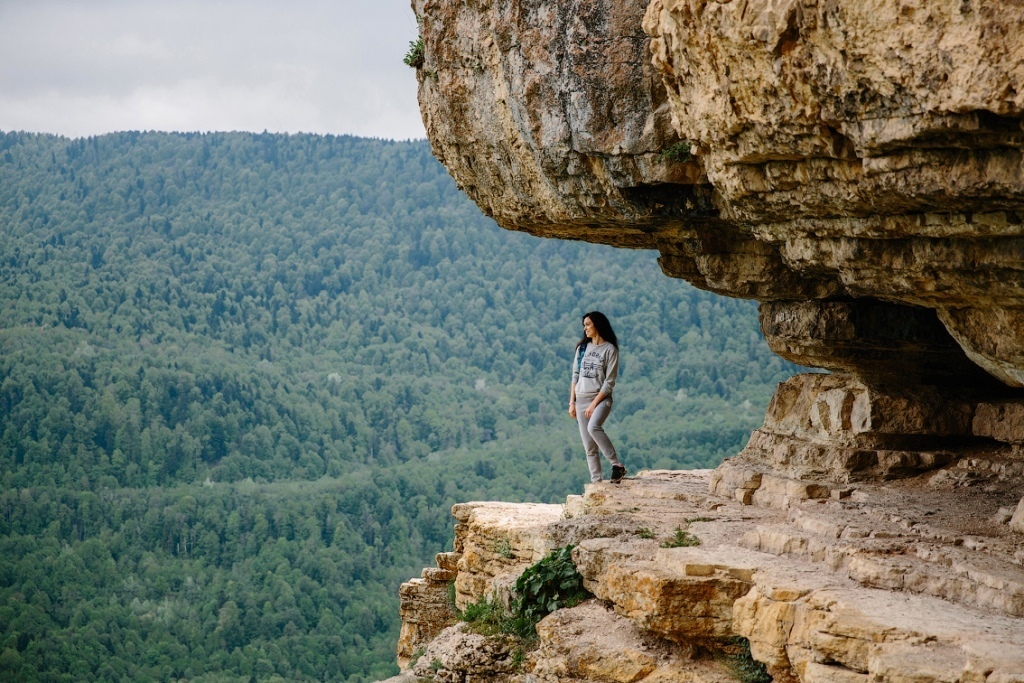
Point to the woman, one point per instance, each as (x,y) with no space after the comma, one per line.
(594,370)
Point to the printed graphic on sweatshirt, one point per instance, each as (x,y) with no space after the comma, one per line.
(590,366)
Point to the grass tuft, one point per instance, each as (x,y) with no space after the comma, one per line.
(681,539)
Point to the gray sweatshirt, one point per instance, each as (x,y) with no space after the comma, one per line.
(596,372)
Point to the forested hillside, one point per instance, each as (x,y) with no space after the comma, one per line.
(244,377)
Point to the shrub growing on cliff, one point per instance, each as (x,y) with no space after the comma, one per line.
(552,583)
(679,152)
(487,617)
(414,57)
(451,598)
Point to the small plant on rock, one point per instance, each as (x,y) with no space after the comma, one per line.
(679,153)
(681,539)
(503,548)
(644,532)
(745,667)
(552,583)
(486,617)
(414,57)
(518,659)
(451,597)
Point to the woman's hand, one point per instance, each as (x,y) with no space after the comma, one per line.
(572,410)
(589,412)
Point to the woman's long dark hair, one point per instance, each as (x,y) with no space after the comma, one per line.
(603,327)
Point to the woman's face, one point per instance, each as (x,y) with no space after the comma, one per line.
(588,328)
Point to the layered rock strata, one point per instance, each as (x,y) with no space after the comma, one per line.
(834,151)
(856,167)
(878,584)
(425,607)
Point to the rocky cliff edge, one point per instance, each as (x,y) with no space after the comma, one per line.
(918,580)
(857,168)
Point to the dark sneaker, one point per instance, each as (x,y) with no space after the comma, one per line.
(618,472)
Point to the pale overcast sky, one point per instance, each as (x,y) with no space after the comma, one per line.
(86,67)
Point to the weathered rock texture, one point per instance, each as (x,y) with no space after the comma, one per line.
(858,168)
(879,584)
(843,152)
(425,607)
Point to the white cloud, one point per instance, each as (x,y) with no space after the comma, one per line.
(325,66)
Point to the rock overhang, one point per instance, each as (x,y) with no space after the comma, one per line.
(857,168)
(787,152)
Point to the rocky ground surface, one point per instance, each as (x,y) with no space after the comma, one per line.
(919,580)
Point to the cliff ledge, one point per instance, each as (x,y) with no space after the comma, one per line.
(919,580)
(858,169)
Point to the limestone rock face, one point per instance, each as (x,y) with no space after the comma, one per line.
(1017,521)
(458,654)
(873,340)
(688,605)
(550,115)
(826,108)
(840,152)
(424,608)
(835,428)
(858,168)
(885,583)
(1003,421)
(494,543)
(592,643)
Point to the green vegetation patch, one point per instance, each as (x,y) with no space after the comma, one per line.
(681,539)
(414,57)
(680,152)
(548,585)
(503,548)
(744,666)
(488,617)
(552,583)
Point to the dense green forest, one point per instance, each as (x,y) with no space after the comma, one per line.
(244,377)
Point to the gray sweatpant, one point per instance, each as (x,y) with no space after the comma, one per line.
(593,434)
